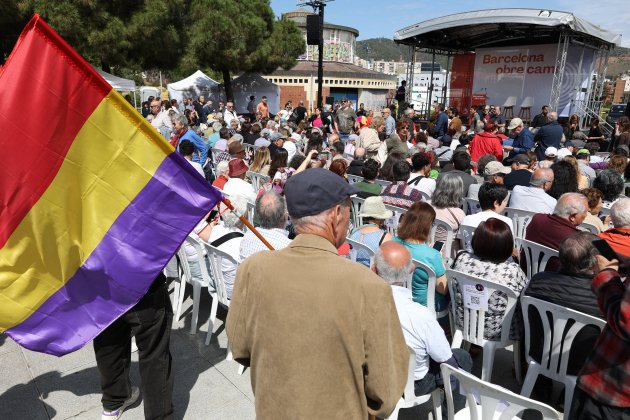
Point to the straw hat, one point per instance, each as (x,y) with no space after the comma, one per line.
(373,207)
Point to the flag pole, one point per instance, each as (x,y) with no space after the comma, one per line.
(247,223)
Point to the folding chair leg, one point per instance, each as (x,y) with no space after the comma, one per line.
(488,362)
(182,294)
(195,314)
(530,380)
(518,366)
(457,339)
(241,369)
(213,318)
(436,397)
(569,387)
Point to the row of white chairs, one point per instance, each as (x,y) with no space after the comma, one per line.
(488,401)
(557,339)
(212,280)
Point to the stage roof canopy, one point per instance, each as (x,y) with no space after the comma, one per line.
(502,27)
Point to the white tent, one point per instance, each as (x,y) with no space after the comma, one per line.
(196,85)
(249,84)
(118,83)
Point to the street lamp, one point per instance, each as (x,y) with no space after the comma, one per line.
(318,5)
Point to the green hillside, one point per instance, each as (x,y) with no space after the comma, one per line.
(387,50)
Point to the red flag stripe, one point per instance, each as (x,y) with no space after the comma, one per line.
(33,145)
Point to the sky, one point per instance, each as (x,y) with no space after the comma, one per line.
(381,18)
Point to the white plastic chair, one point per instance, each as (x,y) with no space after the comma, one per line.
(520,219)
(358,246)
(215,154)
(450,236)
(587,227)
(473,326)
(257,179)
(409,398)
(556,345)
(431,293)
(392,223)
(354,179)
(219,295)
(465,234)
(496,403)
(473,205)
(536,256)
(356,204)
(383,183)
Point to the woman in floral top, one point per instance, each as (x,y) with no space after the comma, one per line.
(492,245)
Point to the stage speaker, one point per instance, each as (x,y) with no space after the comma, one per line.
(330,100)
(313,29)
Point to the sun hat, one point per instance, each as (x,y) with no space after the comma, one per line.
(375,208)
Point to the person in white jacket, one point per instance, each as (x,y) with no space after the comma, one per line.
(369,137)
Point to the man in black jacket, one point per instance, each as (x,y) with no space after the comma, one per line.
(569,287)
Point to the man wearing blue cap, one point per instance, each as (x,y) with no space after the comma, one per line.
(320,333)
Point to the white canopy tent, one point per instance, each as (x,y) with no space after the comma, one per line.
(120,84)
(195,85)
(249,84)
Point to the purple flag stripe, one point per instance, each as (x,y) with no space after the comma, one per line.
(124,264)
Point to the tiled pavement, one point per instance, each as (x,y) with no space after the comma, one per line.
(36,386)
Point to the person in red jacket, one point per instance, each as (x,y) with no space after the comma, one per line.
(486,142)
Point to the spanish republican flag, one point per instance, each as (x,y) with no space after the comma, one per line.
(93,201)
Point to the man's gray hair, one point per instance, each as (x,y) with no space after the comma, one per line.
(316,220)
(230,219)
(571,203)
(392,275)
(271,209)
(217,126)
(223,168)
(181,119)
(408,111)
(620,213)
(553,116)
(271,124)
(540,176)
(237,137)
(577,253)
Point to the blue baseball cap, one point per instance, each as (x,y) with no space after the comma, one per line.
(314,190)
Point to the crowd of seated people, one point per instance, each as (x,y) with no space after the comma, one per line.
(567,186)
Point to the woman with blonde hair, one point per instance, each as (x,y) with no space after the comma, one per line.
(262,161)
(581,179)
(369,137)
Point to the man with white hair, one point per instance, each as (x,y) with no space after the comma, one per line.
(390,122)
(271,211)
(550,229)
(230,113)
(534,197)
(523,138)
(181,130)
(392,262)
(223,168)
(310,323)
(409,115)
(619,237)
(161,120)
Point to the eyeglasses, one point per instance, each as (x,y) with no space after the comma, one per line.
(155,106)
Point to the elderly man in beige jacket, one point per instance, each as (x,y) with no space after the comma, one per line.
(321,333)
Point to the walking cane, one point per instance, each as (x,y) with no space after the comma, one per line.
(247,223)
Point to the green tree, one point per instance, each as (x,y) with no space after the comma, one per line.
(108,33)
(236,36)
(13,18)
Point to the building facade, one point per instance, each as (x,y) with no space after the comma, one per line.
(342,78)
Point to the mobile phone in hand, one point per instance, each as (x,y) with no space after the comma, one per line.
(438,245)
(605,250)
